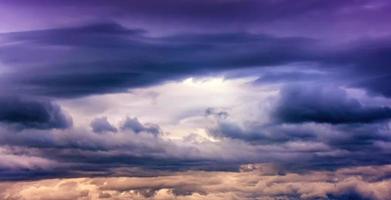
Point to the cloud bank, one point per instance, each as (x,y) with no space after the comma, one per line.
(254,181)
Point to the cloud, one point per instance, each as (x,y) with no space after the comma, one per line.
(224,14)
(207,139)
(259,134)
(134,125)
(12,161)
(108,58)
(224,83)
(220,114)
(368,62)
(346,183)
(377,85)
(300,104)
(291,77)
(101,125)
(31,113)
(318,145)
(80,152)
(104,58)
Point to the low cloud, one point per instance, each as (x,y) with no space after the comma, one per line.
(254,181)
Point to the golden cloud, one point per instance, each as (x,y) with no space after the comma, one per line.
(253,181)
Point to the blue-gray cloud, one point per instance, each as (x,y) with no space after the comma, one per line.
(107,57)
(31,113)
(136,126)
(325,105)
(103,58)
(102,125)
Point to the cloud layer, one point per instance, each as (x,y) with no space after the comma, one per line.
(325,105)
(252,182)
(107,57)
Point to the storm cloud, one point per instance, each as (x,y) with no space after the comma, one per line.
(108,57)
(325,105)
(32,113)
(104,58)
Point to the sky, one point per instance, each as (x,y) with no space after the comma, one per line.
(195,99)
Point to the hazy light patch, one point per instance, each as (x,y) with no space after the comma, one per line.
(3,68)
(178,107)
(365,99)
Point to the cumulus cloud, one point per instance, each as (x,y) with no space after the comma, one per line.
(255,181)
(101,125)
(134,125)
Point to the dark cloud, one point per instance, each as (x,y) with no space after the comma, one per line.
(79,152)
(101,125)
(218,113)
(111,35)
(234,131)
(36,154)
(325,105)
(136,126)
(318,145)
(368,62)
(31,113)
(288,77)
(377,85)
(347,195)
(107,57)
